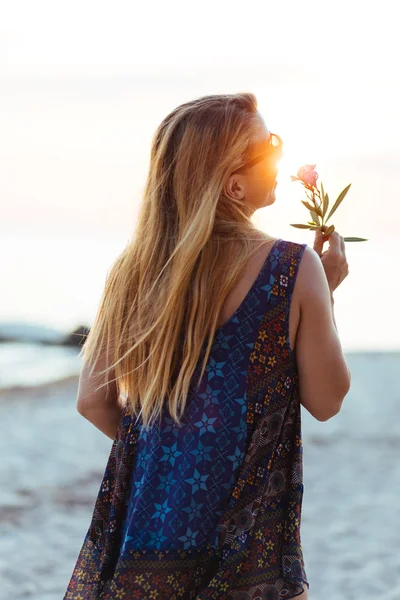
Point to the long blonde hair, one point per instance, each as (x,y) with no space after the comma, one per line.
(165,291)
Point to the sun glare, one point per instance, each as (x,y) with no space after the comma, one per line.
(293,158)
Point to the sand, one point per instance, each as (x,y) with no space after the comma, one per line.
(53,461)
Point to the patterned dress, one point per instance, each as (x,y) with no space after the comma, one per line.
(211,509)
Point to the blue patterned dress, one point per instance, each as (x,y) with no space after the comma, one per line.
(211,509)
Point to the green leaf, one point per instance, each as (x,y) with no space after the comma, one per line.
(329,230)
(308,205)
(315,228)
(325,201)
(299,226)
(338,201)
(318,211)
(315,217)
(355,239)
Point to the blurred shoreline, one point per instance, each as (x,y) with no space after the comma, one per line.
(31,392)
(33,354)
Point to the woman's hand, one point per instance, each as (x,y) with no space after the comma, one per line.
(334,259)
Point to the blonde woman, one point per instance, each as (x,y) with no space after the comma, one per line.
(200,355)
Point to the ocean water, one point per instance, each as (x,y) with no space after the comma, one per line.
(29,364)
(53,282)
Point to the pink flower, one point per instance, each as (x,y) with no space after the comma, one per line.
(307,175)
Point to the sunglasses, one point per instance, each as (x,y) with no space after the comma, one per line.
(274,148)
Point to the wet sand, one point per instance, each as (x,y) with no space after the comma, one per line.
(53,461)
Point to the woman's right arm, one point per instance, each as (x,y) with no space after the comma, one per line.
(324,376)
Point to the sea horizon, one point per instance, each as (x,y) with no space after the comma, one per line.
(56,279)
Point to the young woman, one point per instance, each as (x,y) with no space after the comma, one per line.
(209,336)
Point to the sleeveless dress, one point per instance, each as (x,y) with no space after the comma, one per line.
(211,509)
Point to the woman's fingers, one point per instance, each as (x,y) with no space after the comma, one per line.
(318,242)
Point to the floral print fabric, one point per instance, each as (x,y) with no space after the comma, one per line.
(211,509)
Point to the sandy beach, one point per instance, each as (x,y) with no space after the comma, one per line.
(53,461)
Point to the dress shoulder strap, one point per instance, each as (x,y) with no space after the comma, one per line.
(290,257)
(279,284)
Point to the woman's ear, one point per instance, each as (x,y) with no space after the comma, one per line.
(235,187)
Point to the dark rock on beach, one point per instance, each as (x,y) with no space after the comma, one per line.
(35,333)
(77,337)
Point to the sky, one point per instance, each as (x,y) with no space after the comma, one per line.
(83,86)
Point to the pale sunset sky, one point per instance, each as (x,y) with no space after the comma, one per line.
(83,86)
